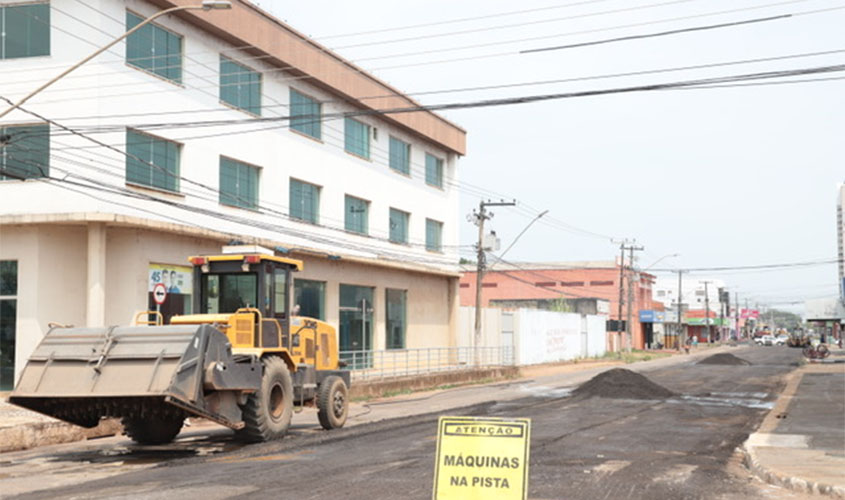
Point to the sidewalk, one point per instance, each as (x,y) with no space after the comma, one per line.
(801,443)
(21,429)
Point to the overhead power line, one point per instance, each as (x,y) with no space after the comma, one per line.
(552,36)
(459,89)
(128,192)
(658,34)
(515,25)
(747,77)
(784,265)
(244,59)
(459,20)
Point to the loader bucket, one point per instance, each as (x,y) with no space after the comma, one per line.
(82,374)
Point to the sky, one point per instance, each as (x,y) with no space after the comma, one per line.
(730,176)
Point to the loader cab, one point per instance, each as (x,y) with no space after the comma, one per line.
(229,283)
(255,282)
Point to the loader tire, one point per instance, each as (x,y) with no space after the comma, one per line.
(268,411)
(152,430)
(332,403)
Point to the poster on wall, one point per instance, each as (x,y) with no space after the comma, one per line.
(178,282)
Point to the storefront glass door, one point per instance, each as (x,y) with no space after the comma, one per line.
(356,325)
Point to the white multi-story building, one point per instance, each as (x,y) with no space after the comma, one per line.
(840,230)
(201,128)
(694,293)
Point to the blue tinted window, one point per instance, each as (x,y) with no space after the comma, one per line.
(357,138)
(154,49)
(152,161)
(240,86)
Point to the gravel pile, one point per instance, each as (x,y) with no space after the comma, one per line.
(620,383)
(723,358)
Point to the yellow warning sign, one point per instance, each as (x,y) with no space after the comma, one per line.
(482,458)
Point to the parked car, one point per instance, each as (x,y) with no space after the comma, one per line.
(765,340)
(781,339)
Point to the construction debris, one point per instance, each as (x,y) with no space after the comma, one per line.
(723,358)
(620,383)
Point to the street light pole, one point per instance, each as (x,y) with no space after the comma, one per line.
(206,5)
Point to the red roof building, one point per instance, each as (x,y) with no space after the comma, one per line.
(577,280)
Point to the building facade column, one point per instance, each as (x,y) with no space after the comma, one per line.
(95,314)
(454,303)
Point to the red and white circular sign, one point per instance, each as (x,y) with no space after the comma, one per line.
(159,293)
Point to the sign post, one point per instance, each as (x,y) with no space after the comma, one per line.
(482,458)
(159,295)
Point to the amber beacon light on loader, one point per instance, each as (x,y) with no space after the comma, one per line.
(245,360)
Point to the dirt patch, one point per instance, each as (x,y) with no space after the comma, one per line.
(723,358)
(620,383)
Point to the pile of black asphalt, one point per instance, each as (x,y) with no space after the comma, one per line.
(723,358)
(620,383)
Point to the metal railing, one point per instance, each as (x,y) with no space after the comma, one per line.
(367,365)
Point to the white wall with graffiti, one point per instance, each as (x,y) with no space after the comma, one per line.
(537,336)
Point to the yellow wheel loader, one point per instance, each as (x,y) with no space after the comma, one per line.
(244,360)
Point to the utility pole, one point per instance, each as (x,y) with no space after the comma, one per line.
(722,305)
(707,312)
(736,314)
(681,337)
(621,289)
(632,275)
(478,217)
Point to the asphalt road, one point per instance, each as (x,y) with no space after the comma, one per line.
(682,447)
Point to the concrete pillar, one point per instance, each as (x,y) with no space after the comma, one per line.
(454,299)
(96,299)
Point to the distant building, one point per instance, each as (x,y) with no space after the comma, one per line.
(573,283)
(692,293)
(827,315)
(840,228)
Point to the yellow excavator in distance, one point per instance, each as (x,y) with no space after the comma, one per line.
(243,360)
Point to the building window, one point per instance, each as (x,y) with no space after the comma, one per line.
(661,293)
(396,313)
(357,138)
(27,154)
(601,283)
(400,156)
(238,184)
(433,235)
(304,201)
(545,283)
(433,171)
(240,86)
(154,49)
(356,214)
(399,226)
(305,114)
(26,30)
(8,322)
(152,161)
(571,283)
(310,296)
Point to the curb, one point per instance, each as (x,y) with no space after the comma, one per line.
(32,435)
(751,461)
